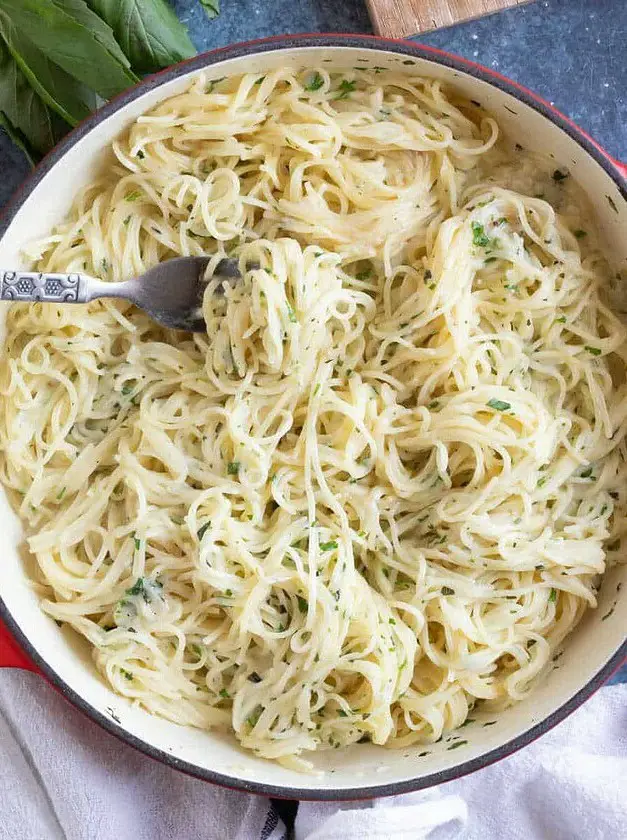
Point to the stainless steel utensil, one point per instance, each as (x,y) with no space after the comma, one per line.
(171,292)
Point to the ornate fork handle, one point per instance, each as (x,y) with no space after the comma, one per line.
(59,288)
(41,286)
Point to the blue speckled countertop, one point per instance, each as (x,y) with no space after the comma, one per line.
(571,52)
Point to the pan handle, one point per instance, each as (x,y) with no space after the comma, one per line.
(11,655)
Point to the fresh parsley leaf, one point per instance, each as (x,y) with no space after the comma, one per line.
(148,31)
(553,596)
(75,38)
(211,7)
(232,468)
(224,694)
(133,196)
(72,100)
(596,351)
(303,604)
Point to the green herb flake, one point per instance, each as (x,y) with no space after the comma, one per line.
(126,390)
(133,196)
(126,674)
(345,88)
(328,546)
(252,719)
(213,83)
(291,314)
(140,154)
(498,405)
(303,604)
(138,543)
(586,473)
(61,494)
(314,82)
(457,744)
(553,596)
(363,275)
(224,694)
(561,319)
(446,590)
(232,468)
(479,236)
(203,530)
(595,351)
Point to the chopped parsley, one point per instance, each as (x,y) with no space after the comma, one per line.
(457,744)
(232,468)
(479,236)
(596,351)
(553,596)
(315,82)
(138,544)
(252,719)
(260,80)
(291,314)
(213,83)
(224,694)
(328,546)
(586,473)
(561,319)
(499,405)
(303,604)
(363,275)
(126,390)
(203,530)
(133,196)
(126,674)
(61,494)
(346,87)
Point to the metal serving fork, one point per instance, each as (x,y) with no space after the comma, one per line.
(171,292)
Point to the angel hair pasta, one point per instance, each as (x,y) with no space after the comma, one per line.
(382,487)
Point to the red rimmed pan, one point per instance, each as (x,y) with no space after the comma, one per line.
(594,650)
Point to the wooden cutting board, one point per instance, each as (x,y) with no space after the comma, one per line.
(398,18)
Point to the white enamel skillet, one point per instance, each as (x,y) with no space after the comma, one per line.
(31,640)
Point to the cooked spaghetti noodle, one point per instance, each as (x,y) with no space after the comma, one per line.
(383,486)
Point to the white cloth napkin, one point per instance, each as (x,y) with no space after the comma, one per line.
(62,778)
